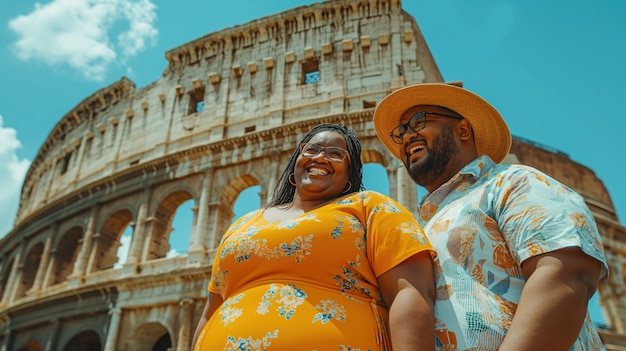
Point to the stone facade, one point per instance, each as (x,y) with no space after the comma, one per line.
(225,116)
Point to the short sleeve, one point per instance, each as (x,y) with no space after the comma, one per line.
(537,214)
(393,233)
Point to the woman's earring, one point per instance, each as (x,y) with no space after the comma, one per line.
(348,188)
(292,182)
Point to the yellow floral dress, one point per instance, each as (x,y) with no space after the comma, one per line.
(309,283)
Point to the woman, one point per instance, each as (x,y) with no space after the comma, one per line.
(324,266)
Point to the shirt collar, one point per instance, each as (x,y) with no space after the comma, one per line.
(475,169)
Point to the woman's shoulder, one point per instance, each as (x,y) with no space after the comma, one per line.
(245,218)
(368,197)
(373,194)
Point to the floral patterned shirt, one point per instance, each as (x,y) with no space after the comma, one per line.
(484,223)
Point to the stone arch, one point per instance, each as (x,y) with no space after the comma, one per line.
(249,199)
(227,199)
(401,187)
(182,225)
(66,252)
(87,340)
(31,346)
(235,186)
(158,244)
(373,155)
(149,336)
(373,161)
(29,270)
(108,238)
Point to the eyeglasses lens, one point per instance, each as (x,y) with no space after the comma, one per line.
(331,153)
(416,123)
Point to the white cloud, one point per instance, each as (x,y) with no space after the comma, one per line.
(12,171)
(76,33)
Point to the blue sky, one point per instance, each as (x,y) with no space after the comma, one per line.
(555,70)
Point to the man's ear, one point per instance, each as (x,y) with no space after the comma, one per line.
(465,129)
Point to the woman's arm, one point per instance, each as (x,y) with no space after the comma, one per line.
(409,291)
(212,303)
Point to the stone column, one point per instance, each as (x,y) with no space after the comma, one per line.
(51,343)
(407,190)
(216,219)
(78,163)
(50,180)
(397,45)
(93,254)
(202,223)
(184,333)
(392,178)
(50,259)
(274,173)
(139,233)
(15,276)
(113,329)
(5,332)
(49,276)
(45,262)
(85,248)
(612,292)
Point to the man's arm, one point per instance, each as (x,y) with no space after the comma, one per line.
(554,301)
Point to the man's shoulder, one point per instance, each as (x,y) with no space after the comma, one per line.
(513,169)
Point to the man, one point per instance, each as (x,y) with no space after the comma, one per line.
(519,254)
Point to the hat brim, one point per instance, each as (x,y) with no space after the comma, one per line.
(491,133)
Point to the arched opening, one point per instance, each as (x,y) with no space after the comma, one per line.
(149,336)
(122,251)
(162,224)
(375,178)
(108,242)
(181,229)
(84,341)
(227,213)
(31,264)
(163,344)
(66,253)
(31,346)
(248,200)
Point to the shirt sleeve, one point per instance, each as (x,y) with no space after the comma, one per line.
(538,214)
(393,233)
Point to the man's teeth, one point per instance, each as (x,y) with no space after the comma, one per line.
(415,149)
(318,171)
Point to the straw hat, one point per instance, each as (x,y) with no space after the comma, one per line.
(491,134)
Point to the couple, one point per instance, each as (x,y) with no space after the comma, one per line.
(507,258)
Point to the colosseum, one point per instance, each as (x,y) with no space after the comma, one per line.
(224,117)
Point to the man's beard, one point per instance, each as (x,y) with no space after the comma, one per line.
(431,168)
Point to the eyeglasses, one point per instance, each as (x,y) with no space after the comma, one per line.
(416,123)
(331,153)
